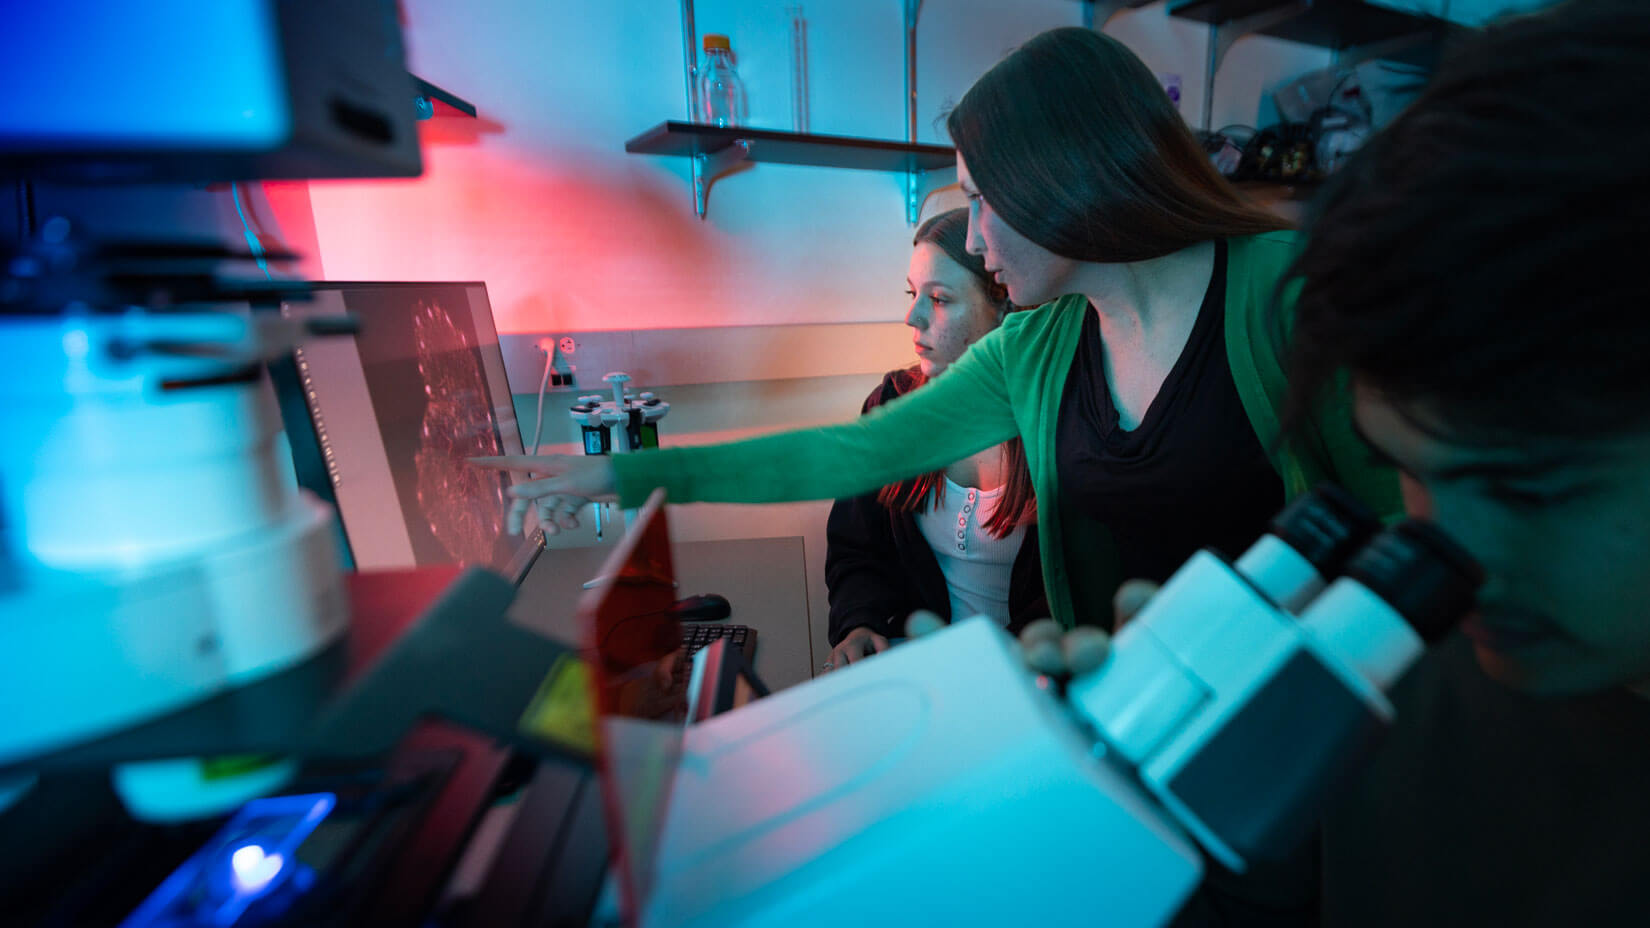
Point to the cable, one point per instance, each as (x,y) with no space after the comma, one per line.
(544,382)
(251,237)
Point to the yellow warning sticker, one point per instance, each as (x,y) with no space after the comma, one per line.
(561,711)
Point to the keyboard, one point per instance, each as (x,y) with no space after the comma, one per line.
(696,635)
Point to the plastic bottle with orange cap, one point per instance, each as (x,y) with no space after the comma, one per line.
(721,93)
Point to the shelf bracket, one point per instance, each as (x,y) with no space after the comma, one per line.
(1223,35)
(426,95)
(920,185)
(709,168)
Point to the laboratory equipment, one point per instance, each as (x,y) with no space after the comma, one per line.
(162,551)
(1221,720)
(799,68)
(395,413)
(155,551)
(288,89)
(721,92)
(635,418)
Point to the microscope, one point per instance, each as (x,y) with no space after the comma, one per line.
(969,790)
(1245,692)
(155,550)
(162,550)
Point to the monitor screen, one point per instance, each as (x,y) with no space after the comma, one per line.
(399,408)
(638,681)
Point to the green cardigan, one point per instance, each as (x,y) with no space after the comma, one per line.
(1010,383)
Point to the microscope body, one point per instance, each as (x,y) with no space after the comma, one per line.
(164,552)
(968,790)
(939,783)
(1237,718)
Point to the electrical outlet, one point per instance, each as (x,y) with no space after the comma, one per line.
(561,372)
(596,352)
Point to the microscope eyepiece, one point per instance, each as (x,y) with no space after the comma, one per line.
(1326,526)
(1423,574)
(1307,545)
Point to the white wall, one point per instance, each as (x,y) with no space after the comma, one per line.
(569,232)
(539,200)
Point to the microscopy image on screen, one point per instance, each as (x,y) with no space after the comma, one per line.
(423,364)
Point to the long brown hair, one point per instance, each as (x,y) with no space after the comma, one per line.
(949,232)
(1072,141)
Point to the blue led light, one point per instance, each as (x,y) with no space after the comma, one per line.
(251,856)
(252,869)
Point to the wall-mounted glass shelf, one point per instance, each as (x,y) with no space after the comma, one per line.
(828,151)
(1355,30)
(1336,24)
(717,150)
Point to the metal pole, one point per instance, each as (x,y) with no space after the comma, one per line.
(1209,78)
(690,60)
(913,177)
(913,9)
(1222,36)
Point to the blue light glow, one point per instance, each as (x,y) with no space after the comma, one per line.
(253,855)
(253,868)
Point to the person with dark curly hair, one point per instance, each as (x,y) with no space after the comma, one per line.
(1475,272)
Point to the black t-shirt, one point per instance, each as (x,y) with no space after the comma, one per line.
(1488,806)
(1191,475)
(1483,806)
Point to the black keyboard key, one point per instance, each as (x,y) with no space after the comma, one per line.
(696,635)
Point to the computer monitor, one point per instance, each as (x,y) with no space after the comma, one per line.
(397,411)
(639,684)
(644,687)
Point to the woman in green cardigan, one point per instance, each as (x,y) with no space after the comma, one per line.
(1147,387)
